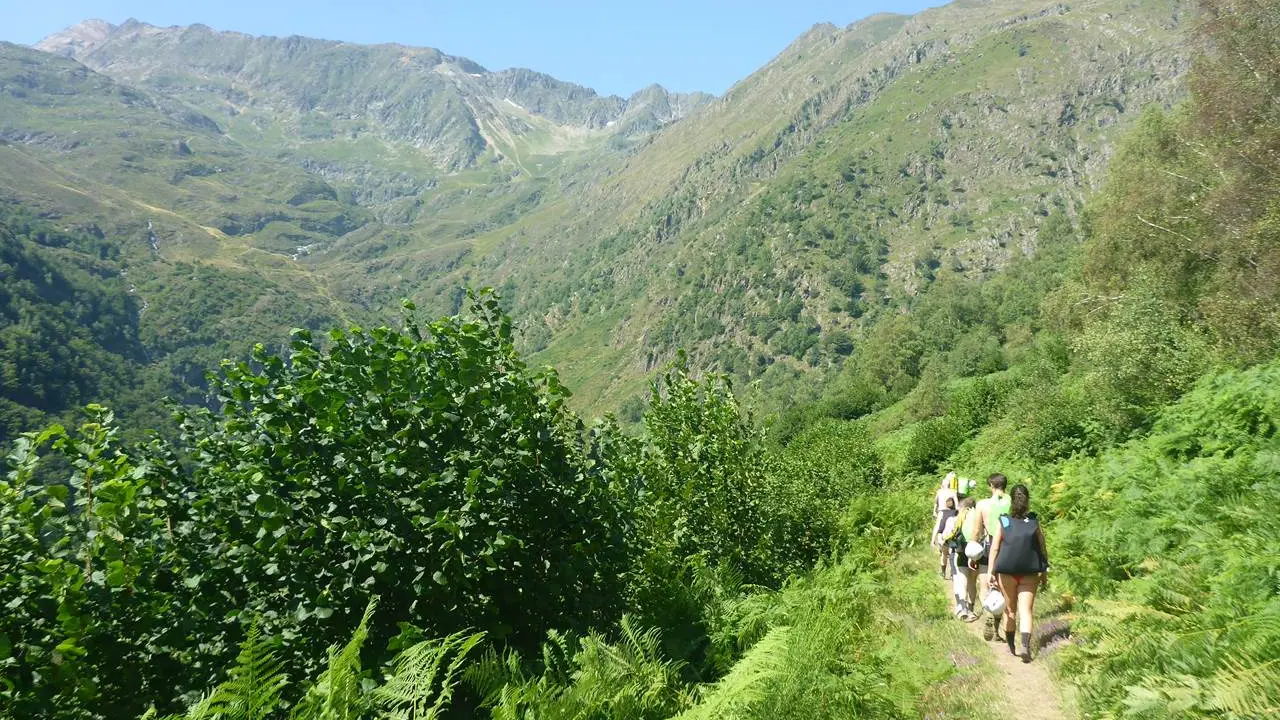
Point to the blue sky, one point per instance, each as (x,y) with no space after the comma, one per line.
(614,47)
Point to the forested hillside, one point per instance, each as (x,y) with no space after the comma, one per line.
(70,333)
(773,233)
(411,519)
(790,226)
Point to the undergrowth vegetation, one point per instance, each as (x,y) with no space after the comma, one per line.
(1144,415)
(429,469)
(1172,537)
(411,522)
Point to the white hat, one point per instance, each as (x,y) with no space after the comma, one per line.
(973,550)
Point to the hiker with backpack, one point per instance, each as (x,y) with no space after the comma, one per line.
(947,492)
(989,511)
(964,578)
(944,549)
(1020,562)
(944,503)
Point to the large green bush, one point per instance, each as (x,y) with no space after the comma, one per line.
(813,482)
(87,573)
(427,466)
(971,404)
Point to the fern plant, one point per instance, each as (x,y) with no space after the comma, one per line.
(747,683)
(1170,539)
(423,678)
(252,690)
(587,679)
(337,694)
(419,686)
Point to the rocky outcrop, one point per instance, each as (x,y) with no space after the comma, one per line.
(436,102)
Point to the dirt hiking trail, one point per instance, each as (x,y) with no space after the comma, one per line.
(1028,688)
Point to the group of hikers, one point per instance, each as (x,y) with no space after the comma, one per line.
(993,550)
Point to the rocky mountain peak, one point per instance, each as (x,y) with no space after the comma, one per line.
(448,107)
(77,39)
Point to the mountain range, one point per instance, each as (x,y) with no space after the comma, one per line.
(246,185)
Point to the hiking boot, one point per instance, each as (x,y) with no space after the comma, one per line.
(989,629)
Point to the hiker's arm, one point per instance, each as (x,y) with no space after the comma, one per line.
(935,517)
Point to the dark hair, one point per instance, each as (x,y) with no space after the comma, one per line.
(968,502)
(951,503)
(1019,501)
(997,481)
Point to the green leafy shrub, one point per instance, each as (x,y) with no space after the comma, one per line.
(427,466)
(813,481)
(703,510)
(705,477)
(1143,354)
(87,571)
(814,648)
(971,405)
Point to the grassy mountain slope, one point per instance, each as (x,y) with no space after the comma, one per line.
(347,110)
(773,232)
(828,189)
(200,233)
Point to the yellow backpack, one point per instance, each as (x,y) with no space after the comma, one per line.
(957,530)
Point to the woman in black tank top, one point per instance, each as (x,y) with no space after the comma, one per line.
(1019,560)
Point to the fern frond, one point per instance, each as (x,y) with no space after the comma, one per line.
(641,645)
(336,694)
(747,682)
(421,684)
(492,674)
(557,656)
(1246,689)
(623,680)
(253,689)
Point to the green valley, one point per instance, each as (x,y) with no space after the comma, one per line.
(343,381)
(767,232)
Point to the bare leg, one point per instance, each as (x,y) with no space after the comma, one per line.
(990,629)
(1026,604)
(1009,589)
(958,587)
(970,583)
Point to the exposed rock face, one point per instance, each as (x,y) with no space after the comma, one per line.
(78,39)
(442,104)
